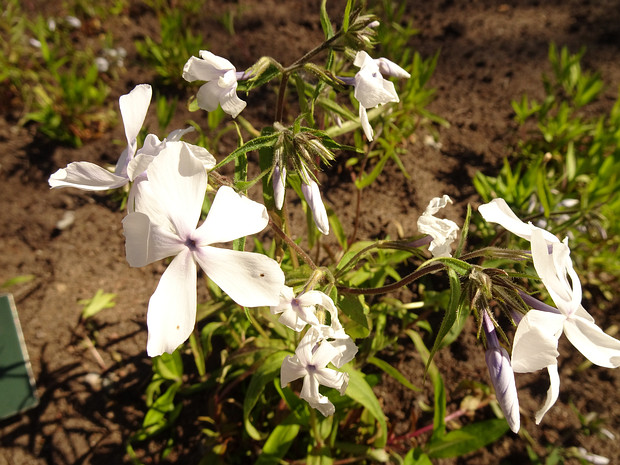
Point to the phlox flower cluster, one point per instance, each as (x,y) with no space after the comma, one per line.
(535,344)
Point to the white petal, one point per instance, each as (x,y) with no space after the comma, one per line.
(231,103)
(498,211)
(250,279)
(323,355)
(139,165)
(365,123)
(291,319)
(372,90)
(231,216)
(443,231)
(86,176)
(176,135)
(172,309)
(208,96)
(319,214)
(134,106)
(362,59)
(202,154)
(208,67)
(291,370)
(346,349)
(178,181)
(596,345)
(287,294)
(333,379)
(146,242)
(536,341)
(552,393)
(310,393)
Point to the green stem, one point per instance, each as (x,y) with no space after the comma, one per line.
(292,244)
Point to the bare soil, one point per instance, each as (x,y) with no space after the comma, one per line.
(91,397)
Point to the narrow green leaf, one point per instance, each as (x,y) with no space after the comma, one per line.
(100,301)
(467,439)
(417,457)
(326,24)
(254,144)
(279,442)
(450,315)
(347,16)
(393,372)
(169,366)
(266,371)
(360,391)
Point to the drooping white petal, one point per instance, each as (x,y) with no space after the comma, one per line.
(146,242)
(552,393)
(372,90)
(596,345)
(178,182)
(172,309)
(134,106)
(498,211)
(250,279)
(208,96)
(368,131)
(313,197)
(230,102)
(310,393)
(176,135)
(333,379)
(231,216)
(536,341)
(553,269)
(202,154)
(86,176)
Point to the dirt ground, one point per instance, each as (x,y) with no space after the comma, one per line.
(490,53)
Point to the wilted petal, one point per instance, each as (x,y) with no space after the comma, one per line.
(250,279)
(333,379)
(313,197)
(536,341)
(443,231)
(172,309)
(552,393)
(230,102)
(368,131)
(86,176)
(146,242)
(231,216)
(596,345)
(208,67)
(310,393)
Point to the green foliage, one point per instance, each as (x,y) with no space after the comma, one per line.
(100,301)
(177,43)
(566,173)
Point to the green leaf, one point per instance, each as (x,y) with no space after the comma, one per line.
(347,15)
(467,439)
(279,441)
(253,144)
(325,22)
(439,416)
(267,370)
(417,457)
(100,301)
(393,372)
(17,280)
(169,366)
(450,315)
(355,308)
(360,391)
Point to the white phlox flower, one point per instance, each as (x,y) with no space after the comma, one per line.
(221,82)
(536,339)
(133,162)
(502,375)
(310,363)
(371,89)
(442,231)
(164,224)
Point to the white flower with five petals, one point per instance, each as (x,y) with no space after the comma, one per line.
(167,210)
(221,82)
(310,363)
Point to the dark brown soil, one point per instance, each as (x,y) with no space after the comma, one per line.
(490,53)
